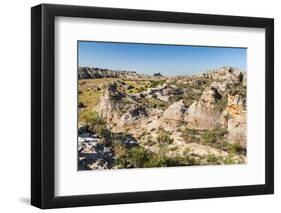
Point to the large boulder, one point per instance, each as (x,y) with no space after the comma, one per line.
(175,111)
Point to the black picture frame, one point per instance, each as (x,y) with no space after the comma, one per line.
(43,102)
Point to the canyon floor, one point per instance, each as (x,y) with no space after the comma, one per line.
(129,120)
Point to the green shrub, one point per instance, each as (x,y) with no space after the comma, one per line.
(209,137)
(141,89)
(214,135)
(95,122)
(136,157)
(227,116)
(164,138)
(235,148)
(221,132)
(156,83)
(148,141)
(189,131)
(155,103)
(186,151)
(120,152)
(182,161)
(93,117)
(139,157)
(160,161)
(229,160)
(212,159)
(190,135)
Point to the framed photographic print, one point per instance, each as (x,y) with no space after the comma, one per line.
(140,106)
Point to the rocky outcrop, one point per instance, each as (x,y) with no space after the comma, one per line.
(161,92)
(204,114)
(237,122)
(91,152)
(175,111)
(135,113)
(95,153)
(209,111)
(222,87)
(226,74)
(108,105)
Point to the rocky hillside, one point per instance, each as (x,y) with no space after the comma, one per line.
(128,120)
(93,72)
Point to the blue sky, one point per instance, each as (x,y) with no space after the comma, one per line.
(170,60)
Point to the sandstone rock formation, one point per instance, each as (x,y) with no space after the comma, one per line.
(204,113)
(175,111)
(237,122)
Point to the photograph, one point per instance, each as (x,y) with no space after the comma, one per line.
(146,105)
(139,105)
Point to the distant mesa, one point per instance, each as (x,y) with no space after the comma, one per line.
(158,74)
(94,72)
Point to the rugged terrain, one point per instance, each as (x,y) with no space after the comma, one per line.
(130,120)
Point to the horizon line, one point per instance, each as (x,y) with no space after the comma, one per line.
(126,70)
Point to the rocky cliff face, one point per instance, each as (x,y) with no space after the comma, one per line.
(237,122)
